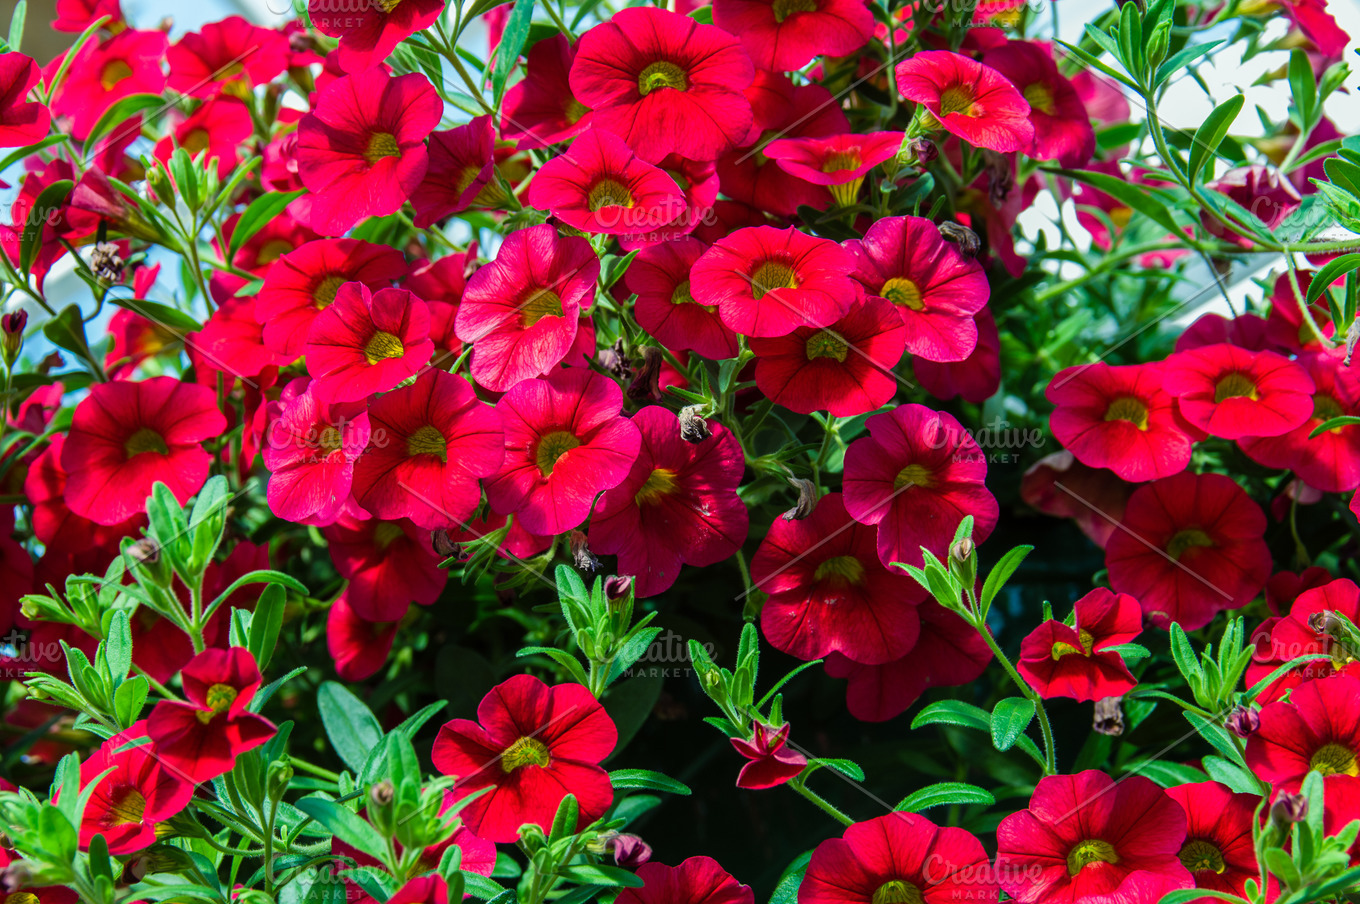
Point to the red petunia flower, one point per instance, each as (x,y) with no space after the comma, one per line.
(358,647)
(599,186)
(1062,127)
(565,442)
(698,183)
(302,283)
(1232,392)
(772,762)
(1318,730)
(476,855)
(438,438)
(104,72)
(1060,660)
(1262,192)
(1329,462)
(1285,587)
(53,522)
(1188,547)
(840,161)
(678,505)
(523,309)
(367,342)
(140,792)
(768,282)
(697,880)
(232,341)
(1218,851)
(125,437)
(218,127)
(1119,418)
(664,83)
(935,288)
(22,121)
(844,368)
(202,738)
(916,475)
(361,150)
(539,110)
(783,35)
(369,32)
(1286,326)
(376,556)
(231,56)
(534,745)
(461,173)
(974,379)
(828,592)
(1279,640)
(665,306)
(900,857)
(1086,837)
(310,451)
(969,100)
(77,15)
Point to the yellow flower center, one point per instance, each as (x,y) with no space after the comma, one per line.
(1127,408)
(826,344)
(575,110)
(902,291)
(897,891)
(661,74)
(382,347)
(145,440)
(661,482)
(1334,759)
(219,698)
(427,440)
(785,8)
(1061,649)
(196,141)
(552,447)
(387,5)
(957,99)
(127,809)
(525,752)
(1200,856)
(113,73)
(330,439)
(772,275)
(381,145)
(539,304)
(23,897)
(385,533)
(842,161)
(1190,538)
(1325,408)
(1040,98)
(324,293)
(914,476)
(608,193)
(840,571)
(1234,386)
(1088,852)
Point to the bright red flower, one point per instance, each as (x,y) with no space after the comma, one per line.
(462,172)
(438,438)
(202,738)
(974,379)
(1188,547)
(678,505)
(1231,392)
(361,150)
(935,288)
(476,855)
(231,56)
(1086,837)
(441,283)
(1279,640)
(523,309)
(698,183)
(367,342)
(828,592)
(1286,326)
(140,792)
(845,368)
(664,83)
(310,452)
(697,880)
(302,283)
(780,35)
(1060,660)
(1262,191)
(1062,127)
(125,437)
(1342,800)
(1119,418)
(219,127)
(54,524)
(368,33)
(377,556)
(1245,330)
(422,890)
(665,307)
(768,282)
(565,442)
(772,762)
(22,121)
(358,646)
(968,99)
(78,15)
(1284,587)
(599,186)
(1318,730)
(1219,851)
(105,72)
(534,745)
(916,475)
(948,652)
(539,110)
(840,161)
(900,857)
(1330,462)
(232,341)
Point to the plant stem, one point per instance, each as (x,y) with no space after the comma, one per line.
(797,784)
(1050,756)
(313,769)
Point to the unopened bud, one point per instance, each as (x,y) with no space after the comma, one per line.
(301,42)
(1243,721)
(1109,717)
(645,384)
(443,544)
(1288,809)
(613,360)
(145,552)
(1352,337)
(807,499)
(693,427)
(924,150)
(618,586)
(382,794)
(967,240)
(630,851)
(18,875)
(581,556)
(1326,622)
(106,262)
(962,550)
(12,329)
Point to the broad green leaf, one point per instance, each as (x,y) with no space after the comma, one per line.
(1010,718)
(117,114)
(346,825)
(945,794)
(255,217)
(352,728)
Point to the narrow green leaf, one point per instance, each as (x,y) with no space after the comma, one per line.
(512,42)
(255,217)
(1001,573)
(352,728)
(117,114)
(347,826)
(945,794)
(647,780)
(1009,720)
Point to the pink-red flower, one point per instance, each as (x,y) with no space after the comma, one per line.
(375,556)
(369,32)
(462,172)
(21,121)
(1318,730)
(1232,392)
(540,110)
(310,450)
(768,282)
(969,100)
(665,306)
(130,801)
(1086,837)
(534,745)
(1062,127)
(934,287)
(678,505)
(104,72)
(1061,660)
(523,309)
(664,83)
(599,186)
(125,437)
(783,35)
(361,150)
(565,442)
(839,161)
(1218,851)
(974,379)
(1188,547)
(771,762)
(231,56)
(916,476)
(358,646)
(1303,632)
(697,880)
(367,342)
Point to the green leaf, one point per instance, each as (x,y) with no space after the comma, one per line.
(1166,773)
(67,331)
(1330,273)
(630,702)
(1217,737)
(117,114)
(1303,85)
(1009,720)
(591,874)
(848,768)
(161,314)
(645,779)
(564,823)
(512,42)
(1129,652)
(945,794)
(1001,573)
(352,728)
(953,712)
(265,624)
(1185,657)
(16,25)
(346,826)
(255,217)
(481,887)
(1186,895)
(129,699)
(1182,59)
(118,645)
(786,889)
(1135,197)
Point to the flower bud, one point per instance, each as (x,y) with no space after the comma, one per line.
(645,384)
(618,586)
(1326,623)
(1109,717)
(443,544)
(1352,337)
(924,150)
(693,427)
(967,240)
(630,851)
(12,327)
(1243,721)
(1287,810)
(382,794)
(106,262)
(962,550)
(807,499)
(581,556)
